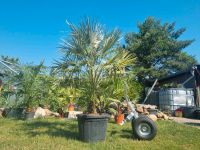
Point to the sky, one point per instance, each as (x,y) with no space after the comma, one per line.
(32,29)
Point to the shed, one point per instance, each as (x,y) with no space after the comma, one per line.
(189,79)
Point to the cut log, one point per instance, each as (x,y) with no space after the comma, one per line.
(146,111)
(160,114)
(139,109)
(165,117)
(153,117)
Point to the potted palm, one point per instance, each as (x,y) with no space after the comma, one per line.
(116,107)
(27,88)
(72,94)
(95,55)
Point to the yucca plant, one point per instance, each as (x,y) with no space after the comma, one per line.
(92,54)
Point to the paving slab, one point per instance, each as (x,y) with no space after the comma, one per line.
(192,122)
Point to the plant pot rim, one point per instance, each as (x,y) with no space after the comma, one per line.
(27,112)
(93,116)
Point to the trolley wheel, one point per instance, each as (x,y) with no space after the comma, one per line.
(144,128)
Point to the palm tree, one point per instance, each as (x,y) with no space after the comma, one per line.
(92,54)
(28,87)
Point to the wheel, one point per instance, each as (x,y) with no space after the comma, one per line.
(144,128)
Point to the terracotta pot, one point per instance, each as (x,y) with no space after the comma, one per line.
(28,109)
(71,107)
(178,113)
(119,118)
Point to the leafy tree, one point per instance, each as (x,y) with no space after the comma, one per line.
(158,49)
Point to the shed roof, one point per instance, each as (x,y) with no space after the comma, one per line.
(182,73)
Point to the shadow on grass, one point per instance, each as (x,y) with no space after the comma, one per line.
(67,129)
(123,133)
(193,124)
(126,133)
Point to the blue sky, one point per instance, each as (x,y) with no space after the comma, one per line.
(32,29)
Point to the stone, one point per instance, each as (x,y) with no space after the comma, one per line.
(146,111)
(39,113)
(55,114)
(50,113)
(72,114)
(138,105)
(153,117)
(165,117)
(150,106)
(139,109)
(160,114)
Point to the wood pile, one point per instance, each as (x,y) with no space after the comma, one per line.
(152,112)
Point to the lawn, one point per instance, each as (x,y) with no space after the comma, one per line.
(63,134)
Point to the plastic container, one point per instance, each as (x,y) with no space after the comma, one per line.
(178,113)
(153,98)
(174,98)
(120,118)
(29,115)
(197,114)
(189,112)
(71,107)
(92,128)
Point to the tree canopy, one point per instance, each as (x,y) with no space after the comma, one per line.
(158,49)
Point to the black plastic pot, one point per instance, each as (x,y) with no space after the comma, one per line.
(92,128)
(197,113)
(189,112)
(29,115)
(14,113)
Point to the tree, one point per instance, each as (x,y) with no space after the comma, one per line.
(158,49)
(91,54)
(183,61)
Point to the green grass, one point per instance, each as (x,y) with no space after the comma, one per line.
(63,134)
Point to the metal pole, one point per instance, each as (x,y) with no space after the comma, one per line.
(8,67)
(150,91)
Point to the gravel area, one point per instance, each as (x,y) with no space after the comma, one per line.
(193,122)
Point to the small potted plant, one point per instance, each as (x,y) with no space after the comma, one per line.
(117,108)
(94,55)
(72,93)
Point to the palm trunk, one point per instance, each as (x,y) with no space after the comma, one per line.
(94,100)
(94,110)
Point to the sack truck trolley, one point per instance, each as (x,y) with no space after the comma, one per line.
(143,127)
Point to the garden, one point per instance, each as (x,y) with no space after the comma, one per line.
(96,74)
